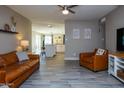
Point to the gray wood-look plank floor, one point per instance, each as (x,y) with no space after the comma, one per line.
(57,73)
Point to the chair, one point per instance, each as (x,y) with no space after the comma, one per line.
(94,62)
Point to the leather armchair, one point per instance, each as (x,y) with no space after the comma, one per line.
(94,62)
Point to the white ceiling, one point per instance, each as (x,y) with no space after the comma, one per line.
(42,15)
(44,29)
(52,13)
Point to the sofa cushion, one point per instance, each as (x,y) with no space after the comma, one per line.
(31,63)
(14,71)
(10,58)
(88,60)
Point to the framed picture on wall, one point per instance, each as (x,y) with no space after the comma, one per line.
(87,33)
(76,33)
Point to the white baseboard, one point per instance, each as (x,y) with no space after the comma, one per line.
(71,58)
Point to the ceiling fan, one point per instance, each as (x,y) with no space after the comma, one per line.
(67,8)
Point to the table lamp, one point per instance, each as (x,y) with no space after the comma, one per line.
(25,44)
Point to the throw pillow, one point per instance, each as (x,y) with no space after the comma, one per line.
(100,51)
(22,56)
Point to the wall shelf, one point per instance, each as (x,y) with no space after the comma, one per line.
(4,31)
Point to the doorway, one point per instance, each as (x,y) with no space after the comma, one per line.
(51,38)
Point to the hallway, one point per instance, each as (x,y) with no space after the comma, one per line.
(57,73)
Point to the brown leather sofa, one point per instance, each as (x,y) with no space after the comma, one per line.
(94,62)
(12,73)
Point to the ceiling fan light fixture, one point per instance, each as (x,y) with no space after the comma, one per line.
(65,12)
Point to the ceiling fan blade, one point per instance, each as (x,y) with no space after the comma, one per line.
(71,6)
(71,11)
(61,6)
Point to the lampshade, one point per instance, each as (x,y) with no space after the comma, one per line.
(24,43)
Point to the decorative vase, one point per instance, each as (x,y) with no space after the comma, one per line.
(13,28)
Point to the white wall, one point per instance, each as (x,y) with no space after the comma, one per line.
(9,42)
(75,46)
(114,20)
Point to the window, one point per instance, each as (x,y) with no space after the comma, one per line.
(48,39)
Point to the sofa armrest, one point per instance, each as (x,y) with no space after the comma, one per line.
(33,56)
(100,61)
